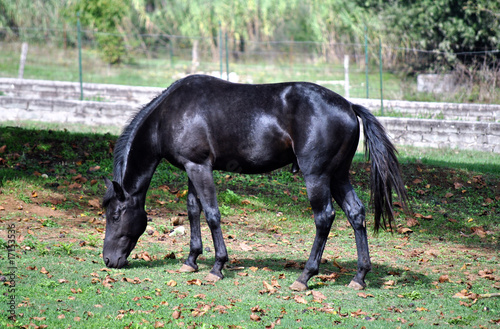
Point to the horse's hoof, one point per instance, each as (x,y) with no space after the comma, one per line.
(298,286)
(355,285)
(186,269)
(212,278)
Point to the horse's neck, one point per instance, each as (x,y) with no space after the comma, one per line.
(142,160)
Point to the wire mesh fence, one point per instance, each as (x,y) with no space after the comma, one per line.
(158,59)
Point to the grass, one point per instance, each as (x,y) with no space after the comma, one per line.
(50,191)
(51,62)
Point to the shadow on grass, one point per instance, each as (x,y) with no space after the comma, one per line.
(375,279)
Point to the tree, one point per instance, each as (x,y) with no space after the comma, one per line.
(105,16)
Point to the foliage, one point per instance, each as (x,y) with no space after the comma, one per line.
(449,26)
(105,16)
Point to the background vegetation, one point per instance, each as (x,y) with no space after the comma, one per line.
(266,41)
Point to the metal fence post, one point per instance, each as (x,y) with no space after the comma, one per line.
(220,48)
(366,62)
(381,80)
(227,60)
(346,76)
(80,54)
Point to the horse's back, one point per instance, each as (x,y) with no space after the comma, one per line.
(257,128)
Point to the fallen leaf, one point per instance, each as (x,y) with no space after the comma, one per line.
(318,296)
(95,203)
(412,222)
(444,278)
(404,230)
(245,247)
(358,313)
(300,300)
(254,317)
(176,315)
(479,231)
(196,282)
(365,295)
(171,283)
(268,288)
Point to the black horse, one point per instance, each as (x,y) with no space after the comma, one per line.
(200,124)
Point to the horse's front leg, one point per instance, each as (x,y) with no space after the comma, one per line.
(202,180)
(196,244)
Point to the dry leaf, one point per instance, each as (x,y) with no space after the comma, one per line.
(300,300)
(404,230)
(254,317)
(268,288)
(245,247)
(318,296)
(412,222)
(364,295)
(444,278)
(196,282)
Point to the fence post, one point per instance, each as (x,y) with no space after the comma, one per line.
(366,62)
(171,50)
(227,60)
(22,60)
(381,80)
(220,48)
(79,53)
(346,75)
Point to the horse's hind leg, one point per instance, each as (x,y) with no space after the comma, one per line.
(318,190)
(347,199)
(202,180)
(196,245)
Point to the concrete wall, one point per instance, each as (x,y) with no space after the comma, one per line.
(481,136)
(66,111)
(478,126)
(484,136)
(142,95)
(436,110)
(46,89)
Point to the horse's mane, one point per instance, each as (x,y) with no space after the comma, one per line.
(124,142)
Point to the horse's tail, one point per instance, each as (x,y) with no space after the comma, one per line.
(385,172)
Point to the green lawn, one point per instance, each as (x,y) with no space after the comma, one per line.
(50,191)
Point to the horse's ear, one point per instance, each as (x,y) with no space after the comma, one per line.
(107,182)
(120,195)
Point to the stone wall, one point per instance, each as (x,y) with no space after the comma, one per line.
(66,111)
(435,110)
(48,104)
(481,136)
(142,95)
(46,89)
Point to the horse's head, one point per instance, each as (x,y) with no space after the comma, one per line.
(126,220)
